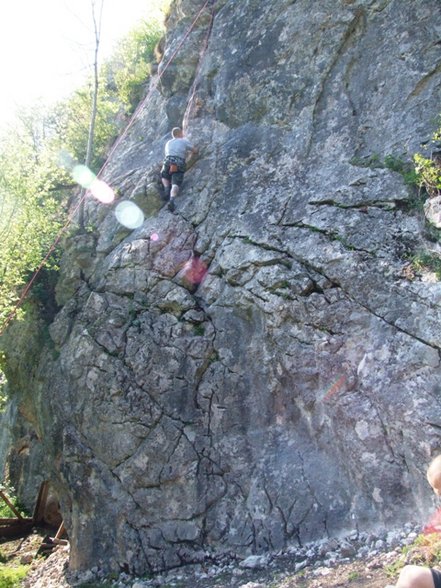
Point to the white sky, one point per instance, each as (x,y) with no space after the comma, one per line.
(47,46)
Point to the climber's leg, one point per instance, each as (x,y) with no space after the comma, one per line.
(418,577)
(166,180)
(174,191)
(176,179)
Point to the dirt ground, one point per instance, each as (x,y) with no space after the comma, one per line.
(21,551)
(48,571)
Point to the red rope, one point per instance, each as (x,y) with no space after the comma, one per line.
(57,239)
(155,85)
(194,85)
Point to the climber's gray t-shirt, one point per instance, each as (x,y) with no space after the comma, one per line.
(178,147)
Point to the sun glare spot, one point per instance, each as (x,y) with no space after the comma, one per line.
(102,191)
(335,388)
(83,176)
(195,270)
(434,523)
(129,214)
(154,237)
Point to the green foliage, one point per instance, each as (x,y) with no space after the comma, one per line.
(130,66)
(71,120)
(372,161)
(403,167)
(424,551)
(428,174)
(37,154)
(427,261)
(35,180)
(31,214)
(394,568)
(5,511)
(396,163)
(11,576)
(428,167)
(199,330)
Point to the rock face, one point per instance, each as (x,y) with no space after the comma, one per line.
(260,368)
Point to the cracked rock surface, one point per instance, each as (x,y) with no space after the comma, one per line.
(259,369)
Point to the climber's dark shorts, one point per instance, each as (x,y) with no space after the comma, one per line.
(168,173)
(436,578)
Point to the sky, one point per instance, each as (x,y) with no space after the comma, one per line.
(47,46)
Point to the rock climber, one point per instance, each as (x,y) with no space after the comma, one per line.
(413,576)
(173,168)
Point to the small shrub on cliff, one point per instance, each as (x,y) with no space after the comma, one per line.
(427,261)
(403,167)
(428,167)
(429,173)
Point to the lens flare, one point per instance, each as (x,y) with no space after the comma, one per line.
(98,188)
(102,191)
(83,176)
(66,160)
(195,270)
(434,523)
(129,214)
(154,237)
(336,387)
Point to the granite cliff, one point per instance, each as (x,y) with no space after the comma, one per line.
(262,367)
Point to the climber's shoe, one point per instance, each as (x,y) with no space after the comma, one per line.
(171,205)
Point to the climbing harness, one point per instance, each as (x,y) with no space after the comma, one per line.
(174,164)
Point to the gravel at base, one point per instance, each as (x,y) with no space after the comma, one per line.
(323,563)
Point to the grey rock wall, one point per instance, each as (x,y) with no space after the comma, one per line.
(260,368)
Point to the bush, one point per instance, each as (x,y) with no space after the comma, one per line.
(429,174)
(128,70)
(428,168)
(426,261)
(5,511)
(11,577)
(403,167)
(424,551)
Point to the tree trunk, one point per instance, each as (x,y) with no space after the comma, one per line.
(90,139)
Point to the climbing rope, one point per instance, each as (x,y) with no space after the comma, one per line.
(72,214)
(202,52)
(28,286)
(156,83)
